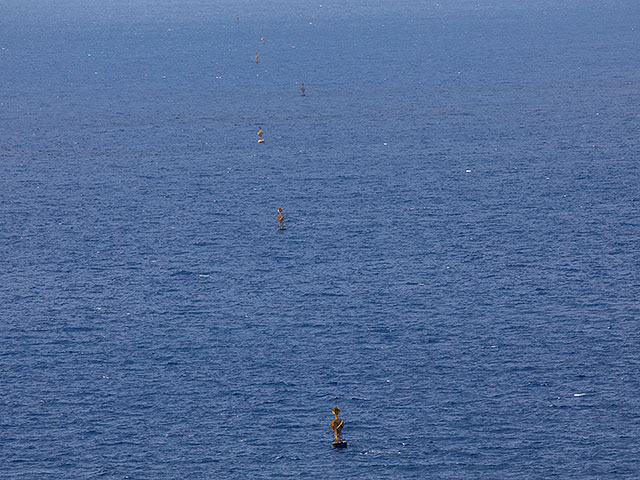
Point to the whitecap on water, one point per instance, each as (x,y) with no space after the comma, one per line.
(374,451)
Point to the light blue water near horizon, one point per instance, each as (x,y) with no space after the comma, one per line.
(460,268)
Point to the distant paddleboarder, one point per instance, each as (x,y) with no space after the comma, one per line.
(280,219)
(262,39)
(336,425)
(260,134)
(255,58)
(302,89)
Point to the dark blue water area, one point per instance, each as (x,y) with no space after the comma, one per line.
(460,268)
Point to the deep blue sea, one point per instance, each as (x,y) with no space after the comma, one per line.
(460,268)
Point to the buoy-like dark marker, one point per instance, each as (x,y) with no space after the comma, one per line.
(336,426)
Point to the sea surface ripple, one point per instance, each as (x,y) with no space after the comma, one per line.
(460,269)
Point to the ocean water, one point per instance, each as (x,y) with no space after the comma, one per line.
(460,269)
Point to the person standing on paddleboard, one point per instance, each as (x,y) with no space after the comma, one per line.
(336,425)
(280,218)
